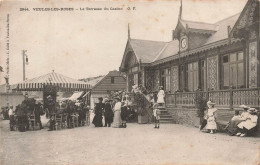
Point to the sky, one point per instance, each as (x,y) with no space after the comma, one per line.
(81,44)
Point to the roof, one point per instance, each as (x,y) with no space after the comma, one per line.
(152,51)
(145,50)
(95,81)
(222,32)
(54,79)
(199,25)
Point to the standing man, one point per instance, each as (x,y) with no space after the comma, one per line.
(38,112)
(11,118)
(98,110)
(108,113)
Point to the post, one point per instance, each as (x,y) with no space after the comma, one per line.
(24,55)
(231,98)
(175,99)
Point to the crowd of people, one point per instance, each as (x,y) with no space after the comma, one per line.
(116,112)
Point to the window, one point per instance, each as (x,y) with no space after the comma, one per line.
(165,79)
(233,70)
(112,80)
(193,76)
(203,76)
(182,78)
(136,79)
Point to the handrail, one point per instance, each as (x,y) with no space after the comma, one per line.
(231,97)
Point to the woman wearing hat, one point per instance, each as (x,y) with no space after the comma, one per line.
(160,96)
(211,121)
(98,110)
(117,122)
(249,124)
(232,128)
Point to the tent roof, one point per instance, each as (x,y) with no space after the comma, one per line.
(55,79)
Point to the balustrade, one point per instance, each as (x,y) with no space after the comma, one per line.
(226,98)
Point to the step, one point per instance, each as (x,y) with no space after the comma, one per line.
(167,121)
(166,115)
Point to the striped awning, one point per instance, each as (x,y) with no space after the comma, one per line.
(63,83)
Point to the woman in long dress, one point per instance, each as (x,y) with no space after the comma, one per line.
(248,124)
(232,128)
(160,96)
(211,121)
(117,122)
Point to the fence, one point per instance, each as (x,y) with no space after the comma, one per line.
(225,98)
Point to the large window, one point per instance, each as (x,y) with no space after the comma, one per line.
(233,70)
(193,76)
(136,79)
(203,75)
(166,79)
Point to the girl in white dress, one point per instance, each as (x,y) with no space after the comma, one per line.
(211,121)
(160,96)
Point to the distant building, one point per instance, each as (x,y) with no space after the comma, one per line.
(104,85)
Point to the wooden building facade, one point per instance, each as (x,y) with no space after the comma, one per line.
(103,86)
(211,57)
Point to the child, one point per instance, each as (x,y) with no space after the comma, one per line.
(160,96)
(211,122)
(156,116)
(236,117)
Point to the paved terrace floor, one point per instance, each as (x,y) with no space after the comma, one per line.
(137,144)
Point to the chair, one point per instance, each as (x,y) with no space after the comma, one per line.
(58,121)
(64,120)
(74,122)
(32,121)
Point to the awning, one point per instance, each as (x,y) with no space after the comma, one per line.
(63,83)
(76,95)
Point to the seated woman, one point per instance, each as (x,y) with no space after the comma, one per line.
(249,124)
(232,128)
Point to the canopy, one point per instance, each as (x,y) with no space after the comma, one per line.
(62,82)
(75,96)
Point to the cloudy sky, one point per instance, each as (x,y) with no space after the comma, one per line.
(81,44)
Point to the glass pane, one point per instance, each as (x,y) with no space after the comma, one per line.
(190,66)
(195,66)
(225,59)
(196,77)
(190,81)
(240,76)
(233,75)
(240,56)
(226,75)
(233,57)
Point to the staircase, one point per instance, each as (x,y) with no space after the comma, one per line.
(165,117)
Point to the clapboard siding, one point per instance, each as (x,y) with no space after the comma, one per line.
(102,88)
(105,84)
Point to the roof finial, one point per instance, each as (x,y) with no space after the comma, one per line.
(128,31)
(180,14)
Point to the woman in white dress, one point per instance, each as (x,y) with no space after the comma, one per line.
(160,96)
(248,124)
(117,122)
(211,121)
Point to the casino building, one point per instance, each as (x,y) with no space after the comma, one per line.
(216,58)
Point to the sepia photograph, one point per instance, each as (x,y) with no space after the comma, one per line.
(130,82)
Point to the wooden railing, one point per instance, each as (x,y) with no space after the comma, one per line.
(225,98)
